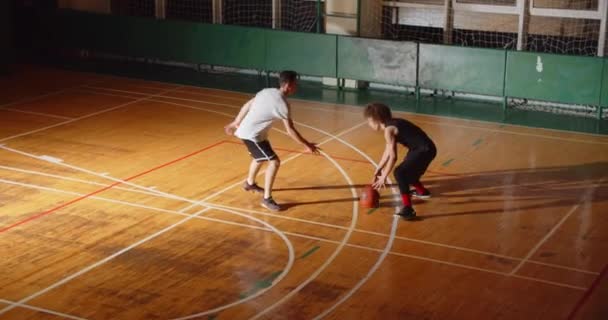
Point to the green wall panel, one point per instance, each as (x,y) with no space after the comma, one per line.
(382,61)
(307,53)
(604,101)
(470,70)
(172,40)
(559,78)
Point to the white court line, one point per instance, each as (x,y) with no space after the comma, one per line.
(143,86)
(387,248)
(32,172)
(52,93)
(562,267)
(542,241)
(431,243)
(38,113)
(83,117)
(34,98)
(55,313)
(382,256)
(300,235)
(193,203)
(369,274)
(431,122)
(133,204)
(331,258)
(345,240)
(389,243)
(398,237)
(286,270)
(98,263)
(118,90)
(37,97)
(307,221)
(329,139)
(211,103)
(327,262)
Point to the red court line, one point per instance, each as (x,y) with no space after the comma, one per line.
(47,212)
(588,293)
(343,158)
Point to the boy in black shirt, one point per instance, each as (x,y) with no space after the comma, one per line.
(421,152)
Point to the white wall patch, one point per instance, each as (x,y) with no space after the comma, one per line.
(539,64)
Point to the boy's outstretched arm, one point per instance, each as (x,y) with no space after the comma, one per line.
(229,128)
(294,134)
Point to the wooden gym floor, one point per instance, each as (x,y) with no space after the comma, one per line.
(121,199)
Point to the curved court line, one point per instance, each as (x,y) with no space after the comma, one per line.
(389,243)
(369,274)
(336,252)
(49,311)
(325,265)
(216,206)
(285,271)
(278,279)
(340,247)
(98,263)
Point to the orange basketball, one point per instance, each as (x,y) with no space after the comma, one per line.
(369,197)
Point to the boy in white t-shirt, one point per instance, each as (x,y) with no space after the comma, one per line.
(252,125)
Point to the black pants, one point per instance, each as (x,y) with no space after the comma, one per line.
(413,167)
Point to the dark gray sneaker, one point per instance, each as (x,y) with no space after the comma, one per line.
(425,195)
(252,187)
(407,213)
(270,204)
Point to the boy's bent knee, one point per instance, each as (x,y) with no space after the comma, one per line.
(275,162)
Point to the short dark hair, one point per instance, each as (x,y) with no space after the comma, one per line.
(287,76)
(378,111)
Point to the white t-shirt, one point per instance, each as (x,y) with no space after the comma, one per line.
(267,106)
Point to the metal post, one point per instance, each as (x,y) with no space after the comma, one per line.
(276,14)
(318,16)
(448,21)
(417,71)
(601,45)
(524,22)
(216,7)
(358,18)
(160,9)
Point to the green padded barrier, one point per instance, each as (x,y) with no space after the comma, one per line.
(557,78)
(172,40)
(604,101)
(470,70)
(307,53)
(381,61)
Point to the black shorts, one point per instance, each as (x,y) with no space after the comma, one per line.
(414,166)
(260,151)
